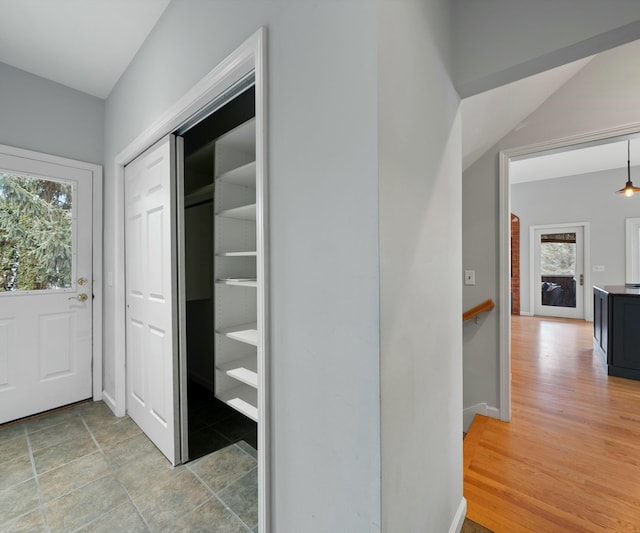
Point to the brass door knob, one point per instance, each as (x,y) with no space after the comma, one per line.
(82,297)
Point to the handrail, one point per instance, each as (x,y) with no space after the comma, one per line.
(485,306)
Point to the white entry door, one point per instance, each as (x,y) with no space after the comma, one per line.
(45,285)
(558,275)
(151,295)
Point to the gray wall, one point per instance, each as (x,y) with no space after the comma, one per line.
(420,256)
(602,95)
(323,196)
(44,116)
(500,41)
(586,198)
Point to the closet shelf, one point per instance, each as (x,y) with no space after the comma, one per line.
(239,282)
(243,398)
(199,195)
(237,254)
(244,176)
(244,370)
(247,333)
(245,212)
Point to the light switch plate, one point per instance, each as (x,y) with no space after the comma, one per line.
(598,268)
(469,277)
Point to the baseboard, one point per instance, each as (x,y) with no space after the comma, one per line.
(526,313)
(108,400)
(458,519)
(478,409)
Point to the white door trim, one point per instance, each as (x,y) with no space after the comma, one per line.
(96,178)
(250,56)
(587,310)
(504,245)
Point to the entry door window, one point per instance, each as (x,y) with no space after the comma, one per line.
(558,259)
(36,233)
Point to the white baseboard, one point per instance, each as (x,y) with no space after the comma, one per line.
(526,313)
(478,409)
(458,519)
(111,404)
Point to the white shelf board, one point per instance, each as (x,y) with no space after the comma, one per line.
(199,195)
(247,333)
(238,282)
(237,254)
(244,370)
(242,398)
(244,175)
(244,212)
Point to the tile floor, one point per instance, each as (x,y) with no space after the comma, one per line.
(83,469)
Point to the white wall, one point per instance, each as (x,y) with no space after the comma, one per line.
(40,115)
(601,96)
(323,196)
(500,41)
(585,198)
(420,258)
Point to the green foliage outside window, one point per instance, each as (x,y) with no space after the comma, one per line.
(35,233)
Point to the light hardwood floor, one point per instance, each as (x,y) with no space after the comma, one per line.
(569,460)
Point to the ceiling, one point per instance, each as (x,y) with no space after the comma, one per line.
(83,44)
(88,44)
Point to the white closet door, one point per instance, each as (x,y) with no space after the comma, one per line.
(152,355)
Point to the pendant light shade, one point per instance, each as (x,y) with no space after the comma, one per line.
(628,190)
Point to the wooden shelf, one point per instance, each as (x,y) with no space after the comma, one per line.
(237,254)
(238,282)
(244,370)
(242,398)
(199,195)
(245,212)
(244,176)
(247,333)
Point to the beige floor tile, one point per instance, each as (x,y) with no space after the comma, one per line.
(32,522)
(97,414)
(11,432)
(18,500)
(242,497)
(152,471)
(124,519)
(73,475)
(67,430)
(209,517)
(111,434)
(162,505)
(79,508)
(65,452)
(15,472)
(223,467)
(14,449)
(43,422)
(130,450)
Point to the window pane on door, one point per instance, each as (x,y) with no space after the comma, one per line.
(558,256)
(36,233)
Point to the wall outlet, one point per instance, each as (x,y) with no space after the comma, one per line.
(469,277)
(598,268)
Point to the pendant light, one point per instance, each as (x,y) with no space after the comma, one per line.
(629,189)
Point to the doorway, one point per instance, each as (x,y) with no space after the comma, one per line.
(557,281)
(219,277)
(47,276)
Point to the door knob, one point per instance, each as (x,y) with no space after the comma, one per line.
(82,297)
(82,281)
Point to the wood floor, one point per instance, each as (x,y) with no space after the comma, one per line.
(569,460)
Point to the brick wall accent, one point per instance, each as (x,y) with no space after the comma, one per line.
(515,265)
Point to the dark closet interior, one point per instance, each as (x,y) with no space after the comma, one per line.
(213,423)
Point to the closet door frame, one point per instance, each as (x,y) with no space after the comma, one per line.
(249,57)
